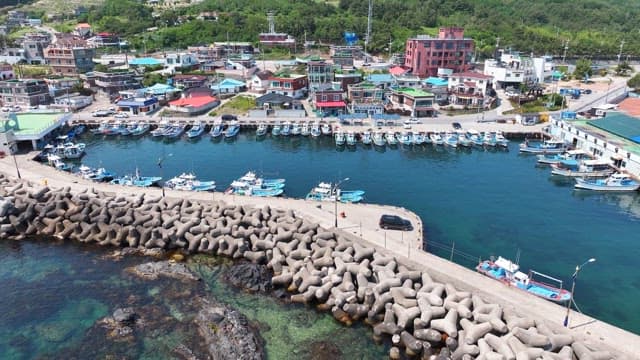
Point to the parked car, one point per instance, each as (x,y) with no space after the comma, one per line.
(395,222)
(414,121)
(6,109)
(229,117)
(121,115)
(100,113)
(17,108)
(456,125)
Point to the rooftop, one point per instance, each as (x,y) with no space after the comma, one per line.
(472,75)
(413,92)
(144,61)
(196,101)
(35,123)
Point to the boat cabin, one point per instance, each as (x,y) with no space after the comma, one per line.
(508,265)
(596,165)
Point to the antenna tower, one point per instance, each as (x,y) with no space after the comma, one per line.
(272,22)
(369,18)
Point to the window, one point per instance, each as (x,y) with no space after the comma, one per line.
(336,97)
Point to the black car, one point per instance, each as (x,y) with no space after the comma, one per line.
(456,126)
(228,117)
(394,222)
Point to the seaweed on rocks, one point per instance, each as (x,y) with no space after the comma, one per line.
(249,277)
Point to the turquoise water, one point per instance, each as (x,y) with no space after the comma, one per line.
(55,294)
(485,202)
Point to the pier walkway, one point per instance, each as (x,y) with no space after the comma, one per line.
(361,224)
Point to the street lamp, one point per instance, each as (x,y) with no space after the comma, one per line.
(335,201)
(573,288)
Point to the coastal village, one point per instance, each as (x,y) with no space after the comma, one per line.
(437,92)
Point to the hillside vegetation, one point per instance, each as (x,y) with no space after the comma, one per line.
(591,27)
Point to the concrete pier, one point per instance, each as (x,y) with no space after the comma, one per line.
(409,286)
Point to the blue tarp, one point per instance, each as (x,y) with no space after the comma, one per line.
(435,81)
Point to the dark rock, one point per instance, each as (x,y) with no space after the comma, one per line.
(164,268)
(320,350)
(124,315)
(250,277)
(228,334)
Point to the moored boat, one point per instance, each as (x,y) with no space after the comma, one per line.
(295,129)
(261,130)
(140,129)
(196,130)
(188,182)
(615,182)
(544,147)
(326,192)
(436,139)
(584,168)
(549,159)
(56,162)
(136,180)
(326,129)
(251,184)
(451,139)
(315,130)
(286,129)
(232,130)
(351,138)
(390,136)
(378,139)
(216,130)
(508,272)
(339,137)
(366,138)
(405,138)
(417,138)
(276,129)
(500,139)
(305,129)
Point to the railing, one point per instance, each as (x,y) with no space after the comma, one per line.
(450,252)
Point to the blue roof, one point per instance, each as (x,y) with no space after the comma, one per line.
(144,61)
(159,89)
(436,81)
(228,84)
(380,78)
(134,103)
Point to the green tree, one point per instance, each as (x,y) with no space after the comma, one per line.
(634,82)
(623,69)
(583,69)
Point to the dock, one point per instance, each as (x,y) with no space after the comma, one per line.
(359,225)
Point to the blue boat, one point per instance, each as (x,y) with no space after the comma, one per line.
(326,192)
(232,130)
(275,131)
(216,130)
(286,129)
(174,132)
(544,147)
(577,154)
(261,130)
(508,272)
(136,180)
(101,174)
(188,182)
(196,130)
(250,184)
(140,129)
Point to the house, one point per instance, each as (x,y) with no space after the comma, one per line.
(365,98)
(407,80)
(59,86)
(260,81)
(229,86)
(438,87)
(83,30)
(411,102)
(293,85)
(272,38)
(469,89)
(112,82)
(189,81)
(194,103)
(163,92)
(103,39)
(424,54)
(145,61)
(353,51)
(278,101)
(70,55)
(73,101)
(34,45)
(319,73)
(6,71)
(384,81)
(138,105)
(208,16)
(346,77)
(511,70)
(329,102)
(24,92)
(398,71)
(343,59)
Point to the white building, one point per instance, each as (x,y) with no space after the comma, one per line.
(260,81)
(176,60)
(469,89)
(511,70)
(543,68)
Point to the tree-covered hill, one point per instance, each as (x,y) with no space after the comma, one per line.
(591,27)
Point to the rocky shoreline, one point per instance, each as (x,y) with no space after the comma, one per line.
(421,317)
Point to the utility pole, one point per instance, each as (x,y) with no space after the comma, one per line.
(566,47)
(368,35)
(390,43)
(620,53)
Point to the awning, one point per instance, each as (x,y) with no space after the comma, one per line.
(322,104)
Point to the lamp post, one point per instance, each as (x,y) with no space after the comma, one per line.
(16,163)
(160,160)
(573,288)
(335,201)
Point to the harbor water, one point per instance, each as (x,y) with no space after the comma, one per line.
(474,203)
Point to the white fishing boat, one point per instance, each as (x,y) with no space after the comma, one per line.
(489,140)
(500,139)
(378,139)
(351,138)
(305,130)
(451,139)
(390,136)
(261,130)
(326,129)
(366,138)
(417,138)
(315,130)
(577,154)
(339,137)
(544,147)
(615,182)
(463,140)
(188,182)
(436,139)
(327,192)
(475,137)
(584,168)
(405,138)
(296,129)
(196,130)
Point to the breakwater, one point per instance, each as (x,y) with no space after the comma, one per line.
(355,282)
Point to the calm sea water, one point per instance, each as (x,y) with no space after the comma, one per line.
(485,202)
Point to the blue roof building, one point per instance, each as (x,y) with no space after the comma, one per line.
(383,80)
(229,86)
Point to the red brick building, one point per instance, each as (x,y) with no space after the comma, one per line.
(424,54)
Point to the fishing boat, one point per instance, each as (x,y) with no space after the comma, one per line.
(339,137)
(305,130)
(509,273)
(544,147)
(436,139)
(216,130)
(417,138)
(261,130)
(578,154)
(100,175)
(188,182)
(351,138)
(56,162)
(315,130)
(463,140)
(100,129)
(251,184)
(276,130)
(196,130)
(615,182)
(366,138)
(140,129)
(475,137)
(326,129)
(326,192)
(405,138)
(378,139)
(489,140)
(500,139)
(295,129)
(390,136)
(451,139)
(232,130)
(73,151)
(136,180)
(286,129)
(174,132)
(160,131)
(584,168)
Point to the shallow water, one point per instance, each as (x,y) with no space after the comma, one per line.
(486,202)
(54,294)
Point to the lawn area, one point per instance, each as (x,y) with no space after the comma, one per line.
(238,105)
(31,71)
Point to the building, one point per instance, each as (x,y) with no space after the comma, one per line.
(424,54)
(179,60)
(384,81)
(229,86)
(6,71)
(274,39)
(411,102)
(289,85)
(194,104)
(138,105)
(366,98)
(189,81)
(329,102)
(34,45)
(320,74)
(352,51)
(29,127)
(83,30)
(343,59)
(220,50)
(73,101)
(346,77)
(104,39)
(70,55)
(112,82)
(469,89)
(24,93)
(260,81)
(510,70)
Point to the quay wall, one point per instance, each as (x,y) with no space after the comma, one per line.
(425,304)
